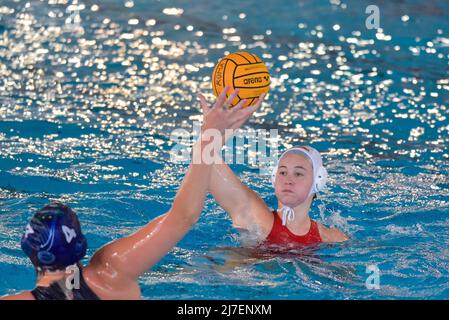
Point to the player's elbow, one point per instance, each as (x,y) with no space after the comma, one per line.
(185,215)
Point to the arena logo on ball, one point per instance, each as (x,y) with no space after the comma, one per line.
(244,71)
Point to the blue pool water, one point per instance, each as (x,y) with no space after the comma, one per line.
(87,108)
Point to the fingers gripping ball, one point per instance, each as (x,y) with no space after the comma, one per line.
(241,70)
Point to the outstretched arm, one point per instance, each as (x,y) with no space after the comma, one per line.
(244,205)
(122,261)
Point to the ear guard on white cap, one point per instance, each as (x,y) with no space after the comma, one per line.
(320,179)
(319,172)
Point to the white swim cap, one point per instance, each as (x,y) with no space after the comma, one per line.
(319,172)
(319,176)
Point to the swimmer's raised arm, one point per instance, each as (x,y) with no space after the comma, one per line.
(121,262)
(244,205)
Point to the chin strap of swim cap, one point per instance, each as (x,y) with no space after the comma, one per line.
(288,214)
(312,190)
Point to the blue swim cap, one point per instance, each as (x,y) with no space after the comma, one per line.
(53,239)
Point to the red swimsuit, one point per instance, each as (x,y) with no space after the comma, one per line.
(281,235)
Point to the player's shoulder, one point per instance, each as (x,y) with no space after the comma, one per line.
(331,234)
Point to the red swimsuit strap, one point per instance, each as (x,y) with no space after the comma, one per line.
(312,236)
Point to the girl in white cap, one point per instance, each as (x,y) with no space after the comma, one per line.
(298,176)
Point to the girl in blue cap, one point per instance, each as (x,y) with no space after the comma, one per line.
(54,242)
